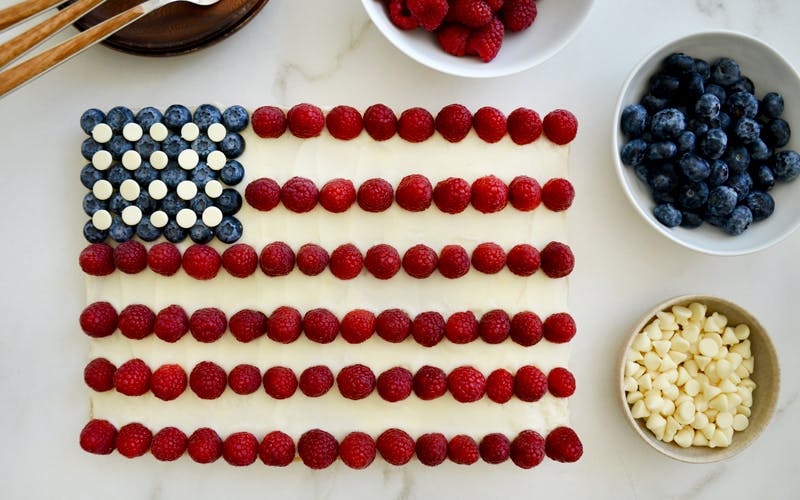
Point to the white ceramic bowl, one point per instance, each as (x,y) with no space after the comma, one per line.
(556,24)
(769,72)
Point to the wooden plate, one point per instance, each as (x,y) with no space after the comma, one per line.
(176,28)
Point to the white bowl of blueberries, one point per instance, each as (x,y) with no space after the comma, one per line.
(703,142)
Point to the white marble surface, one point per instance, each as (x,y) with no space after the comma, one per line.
(329,53)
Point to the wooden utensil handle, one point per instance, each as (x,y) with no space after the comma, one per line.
(23,10)
(24,41)
(35,66)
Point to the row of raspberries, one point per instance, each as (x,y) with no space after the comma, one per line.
(453,122)
(209,380)
(318,449)
(382,261)
(285,324)
(414,193)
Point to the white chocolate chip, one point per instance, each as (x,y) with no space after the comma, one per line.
(718,439)
(102,189)
(159,160)
(711,391)
(653,401)
(656,422)
(680,344)
(186,218)
(102,133)
(727,387)
(157,189)
(684,437)
(131,160)
(132,131)
(652,361)
(101,220)
(743,410)
(639,410)
(742,349)
(685,412)
(129,189)
(719,403)
(729,337)
(671,392)
(661,346)
(190,131)
(102,159)
(634,396)
(628,385)
(667,364)
(700,420)
(742,331)
(131,215)
(708,347)
(708,431)
(217,132)
(186,190)
(158,131)
(740,422)
(644,383)
(692,387)
(683,376)
(678,357)
(159,218)
(188,159)
(641,342)
(699,439)
(633,354)
(216,160)
(214,190)
(724,419)
(660,382)
(212,216)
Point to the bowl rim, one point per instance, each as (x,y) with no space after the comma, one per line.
(486,70)
(673,451)
(616,135)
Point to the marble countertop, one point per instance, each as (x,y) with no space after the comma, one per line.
(330,53)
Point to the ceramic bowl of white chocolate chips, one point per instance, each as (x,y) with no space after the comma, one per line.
(699,378)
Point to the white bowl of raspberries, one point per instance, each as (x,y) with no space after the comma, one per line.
(704,144)
(479,38)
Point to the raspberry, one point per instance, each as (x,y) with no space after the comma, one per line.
(488,258)
(136,321)
(375,195)
(280,382)
(453,39)
(276,259)
(524,126)
(344,122)
(563,445)
(320,325)
(240,449)
(452,195)
(560,126)
(495,5)
(494,326)
(133,440)
(357,326)
(395,446)
(168,382)
(382,261)
(208,324)
(380,122)
(415,125)
(461,327)
(164,258)
(98,319)
(247,325)
(240,260)
(97,259)
(346,262)
(355,381)
(168,444)
(430,382)
(463,450)
(489,194)
(420,261)
(357,450)
(559,328)
(312,259)
(305,120)
(171,323)
(485,41)
(557,260)
(99,374)
(337,195)
(299,195)
(429,13)
(428,328)
(518,15)
(523,260)
(561,383)
(414,193)
(530,384)
(524,193)
(316,381)
(393,325)
(244,379)
(401,16)
(208,380)
(453,261)
(204,446)
(284,325)
(557,194)
(490,124)
(317,448)
(527,449)
(98,437)
(466,384)
(454,122)
(130,257)
(263,194)
(526,328)
(268,121)
(500,386)
(395,384)
(132,378)
(495,448)
(276,449)
(201,262)
(471,13)
(431,448)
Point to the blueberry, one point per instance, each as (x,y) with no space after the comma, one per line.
(664,86)
(693,195)
(718,91)
(642,171)
(633,152)
(692,86)
(205,115)
(235,118)
(174,233)
(176,116)
(772,105)
(721,201)
(737,158)
(663,150)
(232,173)
(146,230)
(117,146)
(742,184)
(714,143)
(746,130)
(707,106)
(686,141)
(703,68)
(668,215)
(91,204)
(761,205)
(200,233)
(229,230)
(89,147)
(118,117)
(171,204)
(145,174)
(664,197)
(742,104)
(743,84)
(725,71)
(698,127)
(145,203)
(719,173)
(759,151)
(763,178)
(200,202)
(694,167)
(653,104)
(149,116)
(721,121)
(633,120)
(203,146)
(146,146)
(173,145)
(690,220)
(173,175)
(787,165)
(92,234)
(776,133)
(90,175)
(738,221)
(232,145)
(116,204)
(118,174)
(119,231)
(202,173)
(90,118)
(230,201)
(663,179)
(667,124)
(678,63)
